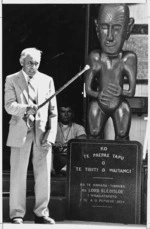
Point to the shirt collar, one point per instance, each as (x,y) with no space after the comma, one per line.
(63,125)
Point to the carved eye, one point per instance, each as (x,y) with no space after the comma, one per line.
(117,28)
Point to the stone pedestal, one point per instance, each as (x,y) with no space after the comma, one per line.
(104,181)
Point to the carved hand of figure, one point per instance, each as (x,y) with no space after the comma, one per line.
(114,90)
(104,98)
(109,96)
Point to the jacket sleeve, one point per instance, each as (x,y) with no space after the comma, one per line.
(52,116)
(12,106)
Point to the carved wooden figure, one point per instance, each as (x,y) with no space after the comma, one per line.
(108,67)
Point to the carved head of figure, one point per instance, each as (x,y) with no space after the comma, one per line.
(113,27)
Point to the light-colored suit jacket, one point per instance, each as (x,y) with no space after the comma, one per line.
(16,101)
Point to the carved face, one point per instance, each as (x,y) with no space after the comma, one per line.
(112,27)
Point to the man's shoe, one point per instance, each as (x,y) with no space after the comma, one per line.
(17,220)
(44,220)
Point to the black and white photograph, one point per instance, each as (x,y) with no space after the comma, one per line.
(75,112)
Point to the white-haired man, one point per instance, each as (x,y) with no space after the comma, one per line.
(21,100)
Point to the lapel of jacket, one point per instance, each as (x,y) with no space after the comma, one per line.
(39,84)
(23,85)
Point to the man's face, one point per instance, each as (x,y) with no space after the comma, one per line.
(65,115)
(112,26)
(31,65)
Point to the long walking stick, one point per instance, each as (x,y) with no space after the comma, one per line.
(64,86)
(26,117)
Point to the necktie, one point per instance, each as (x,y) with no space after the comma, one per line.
(32,98)
(32,90)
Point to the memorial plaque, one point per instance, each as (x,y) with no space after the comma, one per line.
(104,181)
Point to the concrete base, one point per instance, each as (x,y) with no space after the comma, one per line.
(73,225)
(57,207)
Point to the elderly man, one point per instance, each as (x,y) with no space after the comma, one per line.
(24,91)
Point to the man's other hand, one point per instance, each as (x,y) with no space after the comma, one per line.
(46,145)
(31,109)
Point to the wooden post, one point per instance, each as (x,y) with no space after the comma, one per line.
(86,54)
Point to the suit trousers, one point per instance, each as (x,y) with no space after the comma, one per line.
(19,161)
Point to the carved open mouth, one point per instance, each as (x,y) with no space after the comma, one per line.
(109,44)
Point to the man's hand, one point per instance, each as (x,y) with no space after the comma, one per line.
(46,145)
(60,147)
(31,109)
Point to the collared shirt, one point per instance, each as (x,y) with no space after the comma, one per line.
(27,80)
(73,131)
